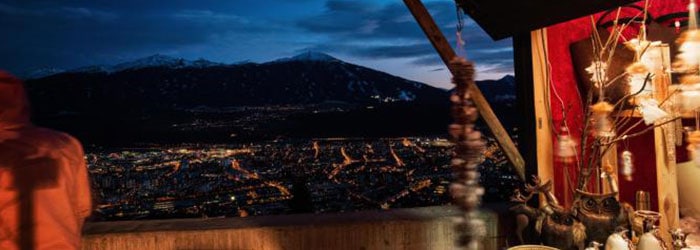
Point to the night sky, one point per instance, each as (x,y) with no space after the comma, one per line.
(380,34)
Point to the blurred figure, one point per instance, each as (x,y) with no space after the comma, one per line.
(44,188)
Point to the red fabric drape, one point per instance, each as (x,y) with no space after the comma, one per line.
(565,95)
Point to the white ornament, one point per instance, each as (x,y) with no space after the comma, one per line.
(627,165)
(690,97)
(566,149)
(650,111)
(598,71)
(689,54)
(636,83)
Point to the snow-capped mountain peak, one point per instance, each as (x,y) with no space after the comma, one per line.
(309,56)
(156,60)
(43,73)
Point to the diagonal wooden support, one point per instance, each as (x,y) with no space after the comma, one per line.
(426,22)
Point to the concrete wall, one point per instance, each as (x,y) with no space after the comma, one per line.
(422,228)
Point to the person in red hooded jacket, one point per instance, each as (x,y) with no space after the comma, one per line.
(44,188)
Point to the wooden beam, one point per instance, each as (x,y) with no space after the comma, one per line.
(666,176)
(437,39)
(545,147)
(667,186)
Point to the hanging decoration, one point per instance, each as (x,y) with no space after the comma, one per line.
(627,169)
(566,150)
(690,95)
(601,116)
(651,112)
(689,50)
(598,71)
(638,82)
(689,42)
(469,146)
(688,61)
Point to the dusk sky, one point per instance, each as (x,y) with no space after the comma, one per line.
(380,34)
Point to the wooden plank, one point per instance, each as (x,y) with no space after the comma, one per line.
(545,161)
(667,186)
(667,180)
(437,39)
(435,232)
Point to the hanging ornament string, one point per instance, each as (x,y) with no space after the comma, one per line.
(468,150)
(460,50)
(468,155)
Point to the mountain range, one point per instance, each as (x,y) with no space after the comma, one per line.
(159,81)
(313,93)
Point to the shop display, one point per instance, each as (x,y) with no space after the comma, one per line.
(660,89)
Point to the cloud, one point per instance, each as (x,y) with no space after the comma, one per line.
(87,13)
(365,30)
(428,60)
(6,9)
(74,33)
(49,34)
(67,12)
(496,68)
(348,6)
(395,51)
(208,16)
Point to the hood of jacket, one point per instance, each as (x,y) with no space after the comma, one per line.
(14,106)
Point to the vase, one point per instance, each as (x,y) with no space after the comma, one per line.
(617,241)
(650,239)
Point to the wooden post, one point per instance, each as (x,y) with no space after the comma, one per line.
(667,186)
(545,151)
(437,39)
(666,178)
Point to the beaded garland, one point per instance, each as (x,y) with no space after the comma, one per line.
(469,146)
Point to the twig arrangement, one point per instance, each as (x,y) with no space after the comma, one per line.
(594,145)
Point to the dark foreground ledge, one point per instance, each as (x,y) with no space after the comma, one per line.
(414,228)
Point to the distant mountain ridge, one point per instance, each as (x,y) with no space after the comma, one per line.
(156,60)
(159,60)
(161,98)
(165,82)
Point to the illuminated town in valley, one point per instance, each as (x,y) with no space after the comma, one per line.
(278,177)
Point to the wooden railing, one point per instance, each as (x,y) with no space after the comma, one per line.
(417,228)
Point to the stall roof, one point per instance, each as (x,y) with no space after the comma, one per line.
(505,18)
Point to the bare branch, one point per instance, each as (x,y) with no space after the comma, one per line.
(624,137)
